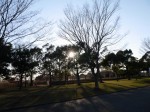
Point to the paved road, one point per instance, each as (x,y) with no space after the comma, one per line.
(137,100)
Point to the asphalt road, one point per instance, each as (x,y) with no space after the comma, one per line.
(136,100)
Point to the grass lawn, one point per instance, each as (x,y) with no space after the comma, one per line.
(13,98)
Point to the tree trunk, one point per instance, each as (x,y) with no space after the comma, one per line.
(129,78)
(78,77)
(31,79)
(117,78)
(66,73)
(50,79)
(99,75)
(95,79)
(25,80)
(20,84)
(65,76)
(98,72)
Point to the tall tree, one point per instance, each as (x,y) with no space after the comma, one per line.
(17,22)
(75,67)
(5,58)
(145,61)
(125,59)
(93,28)
(20,62)
(48,62)
(60,55)
(34,59)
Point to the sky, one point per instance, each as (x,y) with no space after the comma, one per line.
(134,20)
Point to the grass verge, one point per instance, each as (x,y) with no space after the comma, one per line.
(13,98)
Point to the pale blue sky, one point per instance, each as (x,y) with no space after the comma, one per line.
(135,19)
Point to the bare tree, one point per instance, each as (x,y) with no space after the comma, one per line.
(19,25)
(18,22)
(94,28)
(145,45)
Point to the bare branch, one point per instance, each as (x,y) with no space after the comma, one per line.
(95,25)
(145,45)
(17,22)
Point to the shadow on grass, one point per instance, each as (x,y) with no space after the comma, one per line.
(31,97)
(108,103)
(38,97)
(144,81)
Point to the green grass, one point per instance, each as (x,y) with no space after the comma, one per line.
(13,98)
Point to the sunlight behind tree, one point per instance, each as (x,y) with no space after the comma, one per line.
(71,54)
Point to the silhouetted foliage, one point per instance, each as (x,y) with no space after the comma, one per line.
(145,61)
(48,62)
(20,63)
(5,58)
(122,63)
